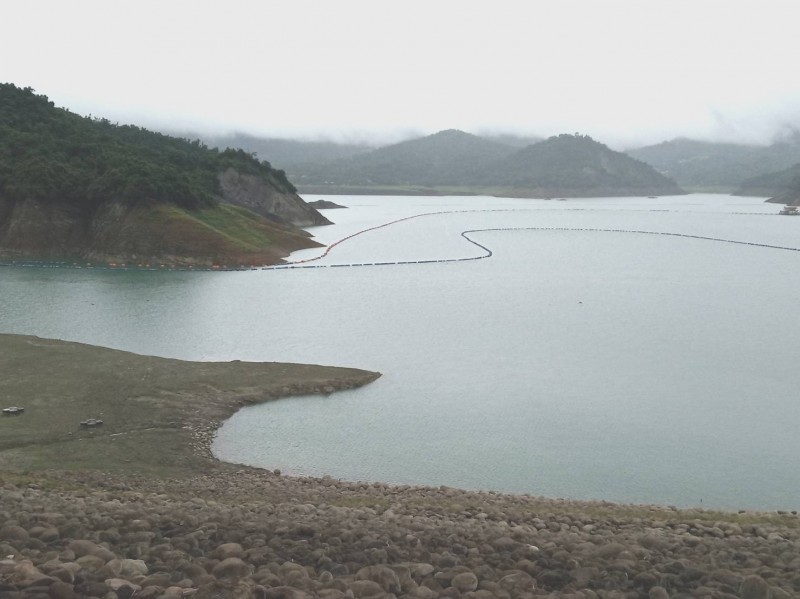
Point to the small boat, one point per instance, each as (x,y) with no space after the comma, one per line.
(91,423)
(13,411)
(789,211)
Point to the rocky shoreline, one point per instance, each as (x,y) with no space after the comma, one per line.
(242,532)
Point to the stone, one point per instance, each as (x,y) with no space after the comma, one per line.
(227,550)
(383,575)
(90,562)
(25,574)
(232,568)
(465,582)
(83,547)
(284,592)
(161,580)
(124,589)
(365,588)
(49,535)
(754,587)
(61,590)
(609,550)
(132,567)
(420,571)
(13,533)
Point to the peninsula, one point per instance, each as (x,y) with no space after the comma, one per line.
(83,190)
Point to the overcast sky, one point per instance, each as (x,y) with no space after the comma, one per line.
(626,72)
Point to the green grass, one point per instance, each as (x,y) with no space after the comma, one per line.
(237,224)
(158,413)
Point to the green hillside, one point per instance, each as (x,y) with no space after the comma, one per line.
(49,153)
(572,165)
(80,188)
(783,187)
(701,165)
(458,163)
(444,158)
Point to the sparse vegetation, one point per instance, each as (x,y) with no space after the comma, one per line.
(159,414)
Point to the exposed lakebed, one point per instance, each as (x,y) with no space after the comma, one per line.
(592,363)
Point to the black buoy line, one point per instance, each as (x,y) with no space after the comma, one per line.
(488,253)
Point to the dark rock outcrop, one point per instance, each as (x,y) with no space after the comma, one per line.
(325,205)
(258,196)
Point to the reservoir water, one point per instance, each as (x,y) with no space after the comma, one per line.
(630,349)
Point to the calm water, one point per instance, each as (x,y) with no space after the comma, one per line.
(577,363)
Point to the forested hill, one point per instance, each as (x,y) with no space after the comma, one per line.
(286,153)
(444,158)
(455,162)
(576,166)
(78,187)
(710,166)
(783,187)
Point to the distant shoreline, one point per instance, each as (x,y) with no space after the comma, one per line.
(145,481)
(499,192)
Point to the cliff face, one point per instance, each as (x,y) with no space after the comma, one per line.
(257,195)
(143,236)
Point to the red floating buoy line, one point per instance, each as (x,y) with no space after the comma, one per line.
(465,234)
(488,253)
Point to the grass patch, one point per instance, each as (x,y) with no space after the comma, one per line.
(158,414)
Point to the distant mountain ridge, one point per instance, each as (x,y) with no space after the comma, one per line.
(718,166)
(444,158)
(82,189)
(286,153)
(782,187)
(456,162)
(576,166)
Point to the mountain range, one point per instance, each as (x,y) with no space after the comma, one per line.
(456,162)
(709,166)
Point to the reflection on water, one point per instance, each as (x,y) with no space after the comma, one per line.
(572,363)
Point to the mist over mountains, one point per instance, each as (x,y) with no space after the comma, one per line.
(457,162)
(708,166)
(466,163)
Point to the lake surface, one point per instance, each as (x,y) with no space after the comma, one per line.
(604,351)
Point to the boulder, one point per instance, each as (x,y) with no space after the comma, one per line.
(465,582)
(754,587)
(232,569)
(383,575)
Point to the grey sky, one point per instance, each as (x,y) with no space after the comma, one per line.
(625,71)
